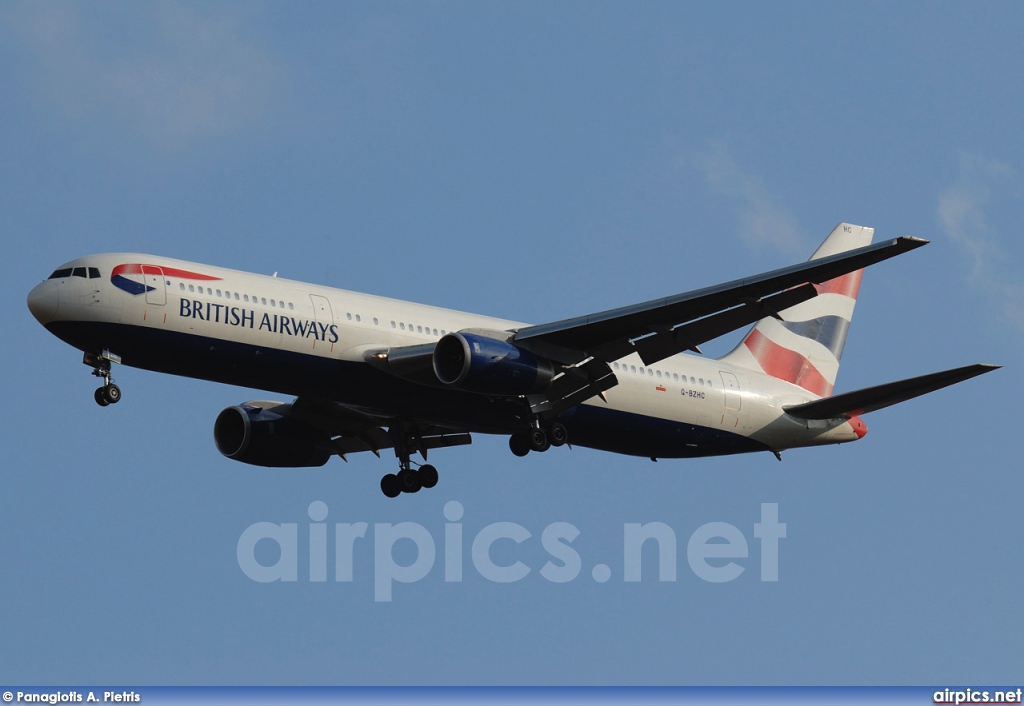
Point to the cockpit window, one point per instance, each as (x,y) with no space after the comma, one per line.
(61,274)
(79,272)
(94,273)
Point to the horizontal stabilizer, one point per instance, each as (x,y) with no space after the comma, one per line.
(850,404)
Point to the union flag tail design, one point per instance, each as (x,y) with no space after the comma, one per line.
(806,346)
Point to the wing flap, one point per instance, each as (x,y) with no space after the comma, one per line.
(869,399)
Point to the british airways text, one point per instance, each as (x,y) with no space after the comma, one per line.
(274,323)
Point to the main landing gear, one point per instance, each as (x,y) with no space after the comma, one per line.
(109,393)
(538,439)
(408,479)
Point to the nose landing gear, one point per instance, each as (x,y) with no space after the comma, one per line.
(109,393)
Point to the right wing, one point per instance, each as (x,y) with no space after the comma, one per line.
(353,431)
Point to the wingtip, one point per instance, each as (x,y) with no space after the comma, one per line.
(912,241)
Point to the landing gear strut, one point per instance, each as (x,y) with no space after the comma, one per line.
(109,393)
(538,439)
(408,479)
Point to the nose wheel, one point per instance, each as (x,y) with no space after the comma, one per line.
(109,393)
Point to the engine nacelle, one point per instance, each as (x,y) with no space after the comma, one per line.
(261,437)
(488,365)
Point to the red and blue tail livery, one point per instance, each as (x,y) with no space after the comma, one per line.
(368,373)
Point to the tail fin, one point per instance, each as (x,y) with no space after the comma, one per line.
(805,347)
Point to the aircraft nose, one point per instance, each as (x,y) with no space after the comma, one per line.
(43,301)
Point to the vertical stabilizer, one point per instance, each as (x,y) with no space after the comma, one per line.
(806,346)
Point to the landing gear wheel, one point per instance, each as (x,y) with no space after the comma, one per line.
(101,397)
(519,443)
(112,392)
(409,481)
(389,485)
(559,434)
(539,440)
(428,476)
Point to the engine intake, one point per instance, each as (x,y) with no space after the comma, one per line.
(488,365)
(261,437)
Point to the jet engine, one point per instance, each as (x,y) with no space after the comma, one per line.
(476,362)
(263,437)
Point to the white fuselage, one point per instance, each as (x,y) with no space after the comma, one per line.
(176,308)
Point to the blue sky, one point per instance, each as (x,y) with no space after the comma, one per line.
(532,161)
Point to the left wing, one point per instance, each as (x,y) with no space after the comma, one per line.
(681,322)
(583,347)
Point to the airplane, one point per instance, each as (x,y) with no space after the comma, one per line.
(369,373)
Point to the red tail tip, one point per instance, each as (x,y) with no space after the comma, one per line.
(859,427)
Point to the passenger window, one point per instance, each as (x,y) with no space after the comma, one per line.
(701,381)
(181,286)
(641,370)
(675,376)
(393,324)
(692,381)
(263,300)
(236,296)
(375,321)
(94,273)
(659,373)
(79,272)
(291,307)
(245,297)
(348,315)
(419,329)
(615,365)
(359,319)
(650,373)
(402,326)
(632,368)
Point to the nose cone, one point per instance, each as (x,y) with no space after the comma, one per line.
(859,427)
(43,301)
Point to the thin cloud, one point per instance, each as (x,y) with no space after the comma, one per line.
(167,72)
(763,221)
(962,216)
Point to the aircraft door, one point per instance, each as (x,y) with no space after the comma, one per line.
(733,401)
(156,292)
(322,309)
(322,312)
